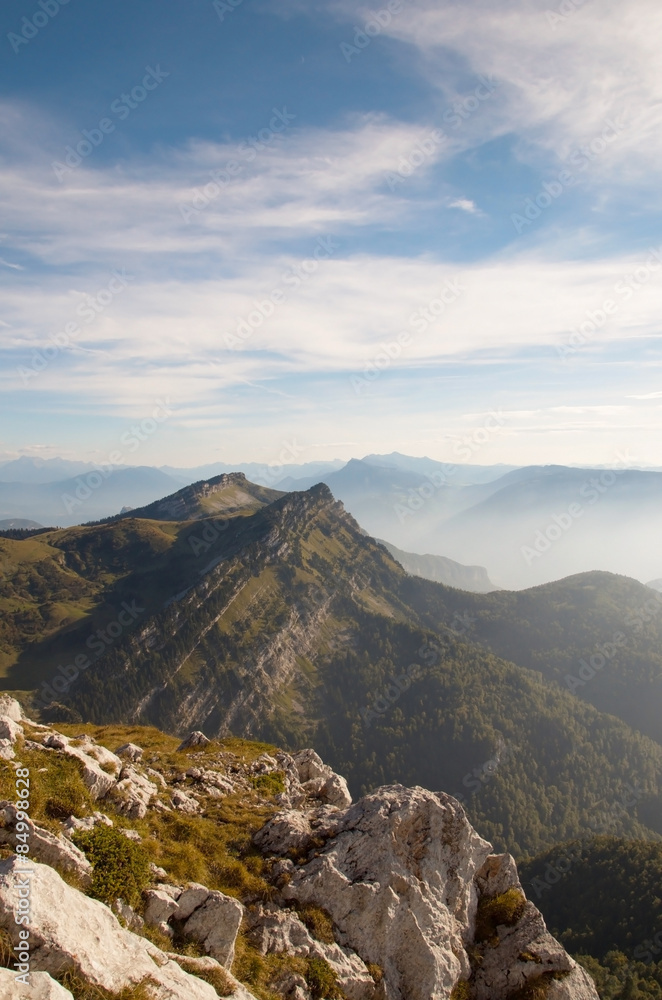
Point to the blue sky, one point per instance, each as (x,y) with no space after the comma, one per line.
(362,229)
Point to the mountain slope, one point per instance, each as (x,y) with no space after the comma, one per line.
(289,624)
(442,570)
(597,635)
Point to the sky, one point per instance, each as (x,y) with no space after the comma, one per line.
(331,228)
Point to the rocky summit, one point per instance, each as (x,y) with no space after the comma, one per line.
(189,870)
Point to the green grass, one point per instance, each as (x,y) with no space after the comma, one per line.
(503,910)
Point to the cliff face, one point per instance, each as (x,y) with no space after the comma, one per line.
(393,897)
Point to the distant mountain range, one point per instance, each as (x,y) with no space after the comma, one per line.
(442,570)
(525,526)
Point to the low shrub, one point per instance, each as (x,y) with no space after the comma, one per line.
(120,867)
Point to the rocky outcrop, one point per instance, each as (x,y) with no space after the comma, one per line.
(208,917)
(46,847)
(69,931)
(403,876)
(272,929)
(394,897)
(41,987)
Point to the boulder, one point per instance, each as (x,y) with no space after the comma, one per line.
(319,781)
(133,793)
(129,751)
(498,875)
(9,729)
(289,830)
(11,708)
(274,930)
(215,926)
(185,803)
(196,739)
(46,847)
(160,904)
(41,987)
(70,931)
(109,761)
(7,751)
(193,896)
(97,781)
(73,824)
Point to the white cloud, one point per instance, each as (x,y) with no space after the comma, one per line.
(557,85)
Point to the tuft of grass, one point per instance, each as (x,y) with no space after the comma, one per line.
(375,971)
(82,990)
(218,978)
(495,911)
(269,784)
(215,849)
(538,988)
(57,789)
(322,980)
(120,867)
(6,949)
(318,921)
(461,990)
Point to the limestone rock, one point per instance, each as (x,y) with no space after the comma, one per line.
(523,953)
(11,708)
(41,987)
(274,930)
(46,847)
(196,739)
(7,751)
(160,904)
(97,781)
(286,831)
(320,781)
(129,751)
(133,793)
(72,931)
(193,896)
(498,875)
(128,915)
(109,761)
(215,926)
(397,881)
(577,986)
(72,825)
(9,729)
(185,803)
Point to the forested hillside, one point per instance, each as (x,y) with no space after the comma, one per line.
(282,621)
